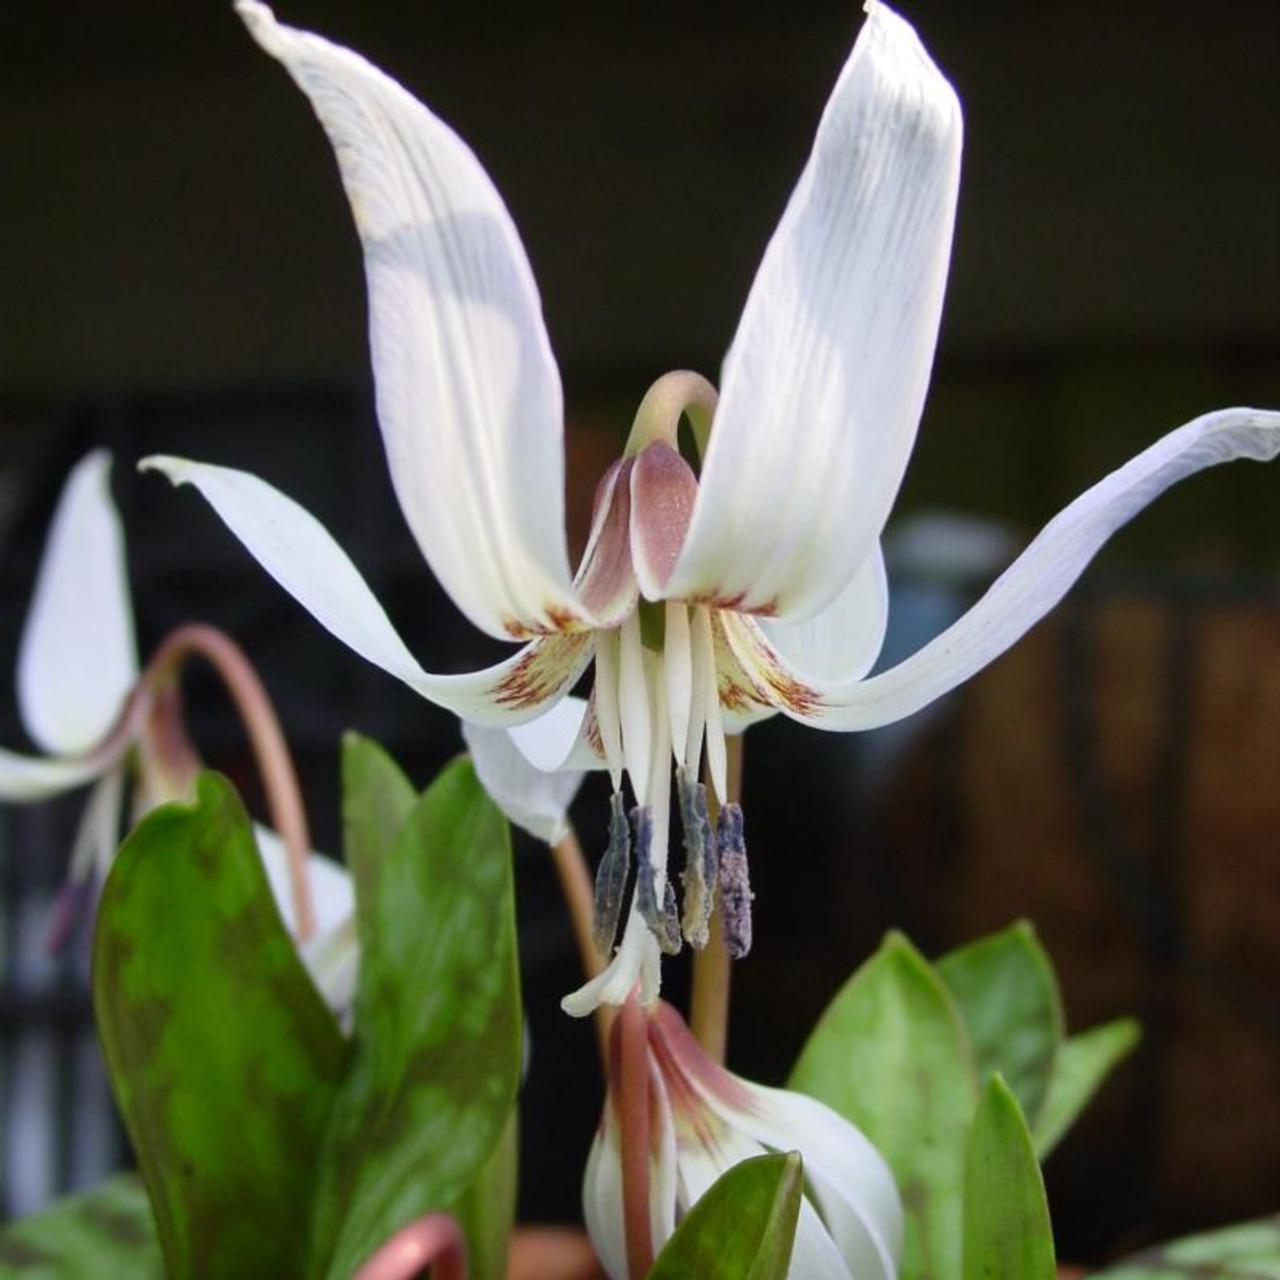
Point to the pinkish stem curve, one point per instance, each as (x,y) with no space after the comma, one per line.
(433,1241)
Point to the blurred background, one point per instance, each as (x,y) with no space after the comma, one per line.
(178,273)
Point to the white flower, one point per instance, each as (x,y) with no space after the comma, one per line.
(85,702)
(706,600)
(702,1120)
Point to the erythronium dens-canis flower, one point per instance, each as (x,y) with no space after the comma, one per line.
(706,599)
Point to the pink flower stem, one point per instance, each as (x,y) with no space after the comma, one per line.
(434,1241)
(275,764)
(632,1101)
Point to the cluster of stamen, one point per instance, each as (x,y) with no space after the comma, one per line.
(672,738)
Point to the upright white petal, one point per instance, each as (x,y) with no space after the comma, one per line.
(77,661)
(826,377)
(534,793)
(468,393)
(301,555)
(1019,598)
(844,640)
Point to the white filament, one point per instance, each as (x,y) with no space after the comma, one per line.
(678,670)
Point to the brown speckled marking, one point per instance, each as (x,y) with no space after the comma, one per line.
(561,620)
(738,690)
(536,675)
(733,604)
(733,697)
(783,688)
(592,727)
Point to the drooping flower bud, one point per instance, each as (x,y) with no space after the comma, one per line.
(702,1120)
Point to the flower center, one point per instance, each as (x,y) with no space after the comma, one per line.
(657,703)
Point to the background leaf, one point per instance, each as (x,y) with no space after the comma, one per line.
(437,1025)
(1248,1251)
(1007,1233)
(891,1056)
(1008,997)
(1083,1062)
(743,1228)
(108,1231)
(223,1057)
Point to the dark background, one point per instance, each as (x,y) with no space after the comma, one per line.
(177,272)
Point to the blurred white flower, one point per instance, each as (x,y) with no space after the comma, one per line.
(702,1121)
(84,701)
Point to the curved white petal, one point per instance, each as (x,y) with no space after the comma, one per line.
(636,960)
(1020,597)
(563,738)
(77,661)
(853,1185)
(332,893)
(844,640)
(24,778)
(602,1206)
(468,393)
(301,555)
(524,769)
(825,380)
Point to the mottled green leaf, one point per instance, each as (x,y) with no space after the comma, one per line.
(223,1057)
(487,1210)
(1084,1061)
(1008,997)
(742,1228)
(1007,1234)
(376,802)
(891,1055)
(1248,1251)
(437,1026)
(108,1231)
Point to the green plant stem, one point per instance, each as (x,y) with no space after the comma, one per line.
(709,998)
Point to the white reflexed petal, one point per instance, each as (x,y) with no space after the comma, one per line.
(301,555)
(602,1205)
(844,640)
(853,1185)
(1020,597)
(332,893)
(664,1176)
(560,739)
(815,1255)
(468,393)
(636,960)
(826,377)
(25,778)
(534,797)
(77,661)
